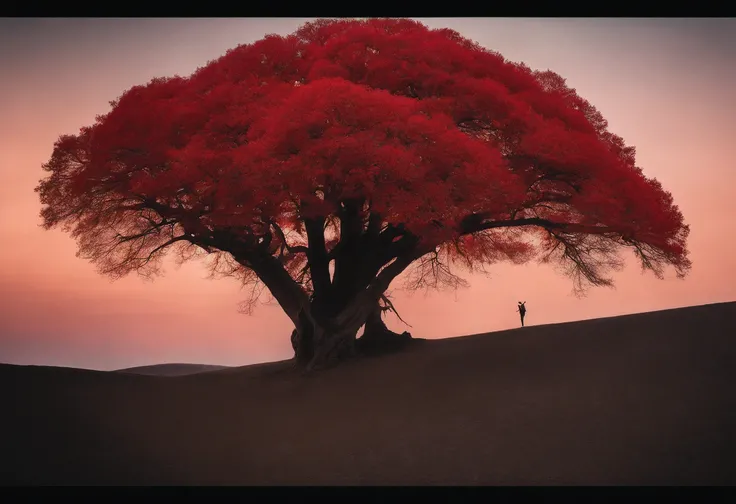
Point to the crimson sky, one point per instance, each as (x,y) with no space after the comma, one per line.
(666,86)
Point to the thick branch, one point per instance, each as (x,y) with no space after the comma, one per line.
(318,258)
(294,249)
(356,313)
(374,226)
(284,289)
(352,252)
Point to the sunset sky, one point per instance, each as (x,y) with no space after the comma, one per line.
(666,86)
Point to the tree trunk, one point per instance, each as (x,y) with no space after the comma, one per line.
(332,345)
(324,340)
(319,345)
(302,340)
(377,338)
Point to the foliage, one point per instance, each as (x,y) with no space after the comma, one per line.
(349,146)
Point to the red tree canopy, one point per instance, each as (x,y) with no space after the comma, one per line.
(438,145)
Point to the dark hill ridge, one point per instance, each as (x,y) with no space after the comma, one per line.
(637,399)
(174,369)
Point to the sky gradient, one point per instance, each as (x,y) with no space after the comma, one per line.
(666,86)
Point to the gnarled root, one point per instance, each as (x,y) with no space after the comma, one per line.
(378,339)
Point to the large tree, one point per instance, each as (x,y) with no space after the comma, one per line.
(325,163)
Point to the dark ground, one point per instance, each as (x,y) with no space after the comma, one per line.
(639,399)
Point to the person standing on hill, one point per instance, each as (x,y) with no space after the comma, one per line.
(522,311)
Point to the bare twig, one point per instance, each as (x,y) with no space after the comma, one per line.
(391,307)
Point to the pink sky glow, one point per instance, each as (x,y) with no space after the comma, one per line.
(665,86)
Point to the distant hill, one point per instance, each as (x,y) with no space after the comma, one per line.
(171,369)
(644,399)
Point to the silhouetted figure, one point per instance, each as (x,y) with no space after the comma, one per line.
(522,311)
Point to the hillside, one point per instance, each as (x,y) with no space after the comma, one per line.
(637,399)
(172,369)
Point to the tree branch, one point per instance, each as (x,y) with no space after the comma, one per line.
(374,226)
(472,224)
(318,257)
(154,227)
(289,294)
(162,246)
(294,249)
(351,253)
(391,307)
